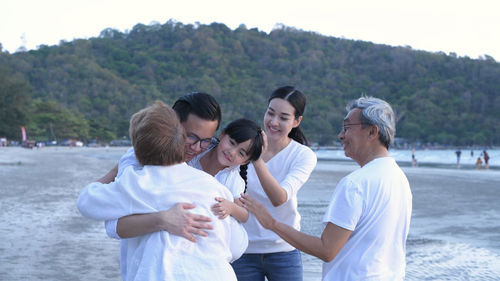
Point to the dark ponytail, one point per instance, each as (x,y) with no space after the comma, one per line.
(297,135)
(298,100)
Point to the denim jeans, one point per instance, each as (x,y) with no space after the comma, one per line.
(281,266)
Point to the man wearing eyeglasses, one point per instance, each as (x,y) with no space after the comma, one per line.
(368,219)
(200,115)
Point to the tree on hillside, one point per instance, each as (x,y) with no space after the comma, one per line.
(51,121)
(14,100)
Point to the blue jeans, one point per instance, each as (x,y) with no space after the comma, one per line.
(281,266)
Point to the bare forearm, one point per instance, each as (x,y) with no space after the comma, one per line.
(273,190)
(326,248)
(137,225)
(239,213)
(309,244)
(110,176)
(176,220)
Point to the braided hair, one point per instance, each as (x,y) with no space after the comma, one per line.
(243,175)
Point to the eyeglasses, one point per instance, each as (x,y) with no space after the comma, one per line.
(345,127)
(194,139)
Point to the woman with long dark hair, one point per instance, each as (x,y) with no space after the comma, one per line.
(274,180)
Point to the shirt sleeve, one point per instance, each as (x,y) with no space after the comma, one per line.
(237,185)
(300,169)
(128,159)
(112,201)
(110,226)
(346,205)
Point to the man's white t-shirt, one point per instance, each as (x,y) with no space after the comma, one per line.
(375,203)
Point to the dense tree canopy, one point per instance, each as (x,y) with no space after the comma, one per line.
(14,103)
(93,86)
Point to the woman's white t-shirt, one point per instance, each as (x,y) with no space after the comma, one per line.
(291,167)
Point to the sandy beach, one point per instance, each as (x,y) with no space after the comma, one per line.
(44,237)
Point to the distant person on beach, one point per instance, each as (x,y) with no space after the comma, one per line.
(165,179)
(368,219)
(479,163)
(413,158)
(486,159)
(274,181)
(458,153)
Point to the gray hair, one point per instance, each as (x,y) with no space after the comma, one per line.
(377,112)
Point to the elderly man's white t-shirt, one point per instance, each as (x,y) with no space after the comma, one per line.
(160,255)
(375,202)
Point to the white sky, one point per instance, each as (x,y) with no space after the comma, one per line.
(467,28)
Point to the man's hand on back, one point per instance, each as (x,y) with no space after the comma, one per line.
(178,221)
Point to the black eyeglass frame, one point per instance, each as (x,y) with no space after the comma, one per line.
(192,139)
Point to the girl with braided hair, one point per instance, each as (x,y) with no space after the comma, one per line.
(239,143)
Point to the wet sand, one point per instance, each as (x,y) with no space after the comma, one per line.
(44,237)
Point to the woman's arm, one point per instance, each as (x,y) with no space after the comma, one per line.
(271,186)
(273,189)
(304,161)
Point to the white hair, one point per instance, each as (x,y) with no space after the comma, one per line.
(377,112)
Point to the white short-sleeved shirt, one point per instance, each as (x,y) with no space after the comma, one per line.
(375,203)
(291,167)
(161,255)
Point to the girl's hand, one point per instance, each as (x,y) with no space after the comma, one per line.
(222,209)
(261,213)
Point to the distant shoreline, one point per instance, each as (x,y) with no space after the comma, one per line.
(427,165)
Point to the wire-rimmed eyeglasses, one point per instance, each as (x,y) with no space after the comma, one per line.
(345,127)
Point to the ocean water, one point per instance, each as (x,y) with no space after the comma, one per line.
(426,157)
(455,227)
(454,235)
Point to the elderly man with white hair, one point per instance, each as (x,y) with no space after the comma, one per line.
(368,219)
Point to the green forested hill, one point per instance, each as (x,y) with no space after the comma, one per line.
(88,89)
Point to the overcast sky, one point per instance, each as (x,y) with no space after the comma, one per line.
(467,28)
